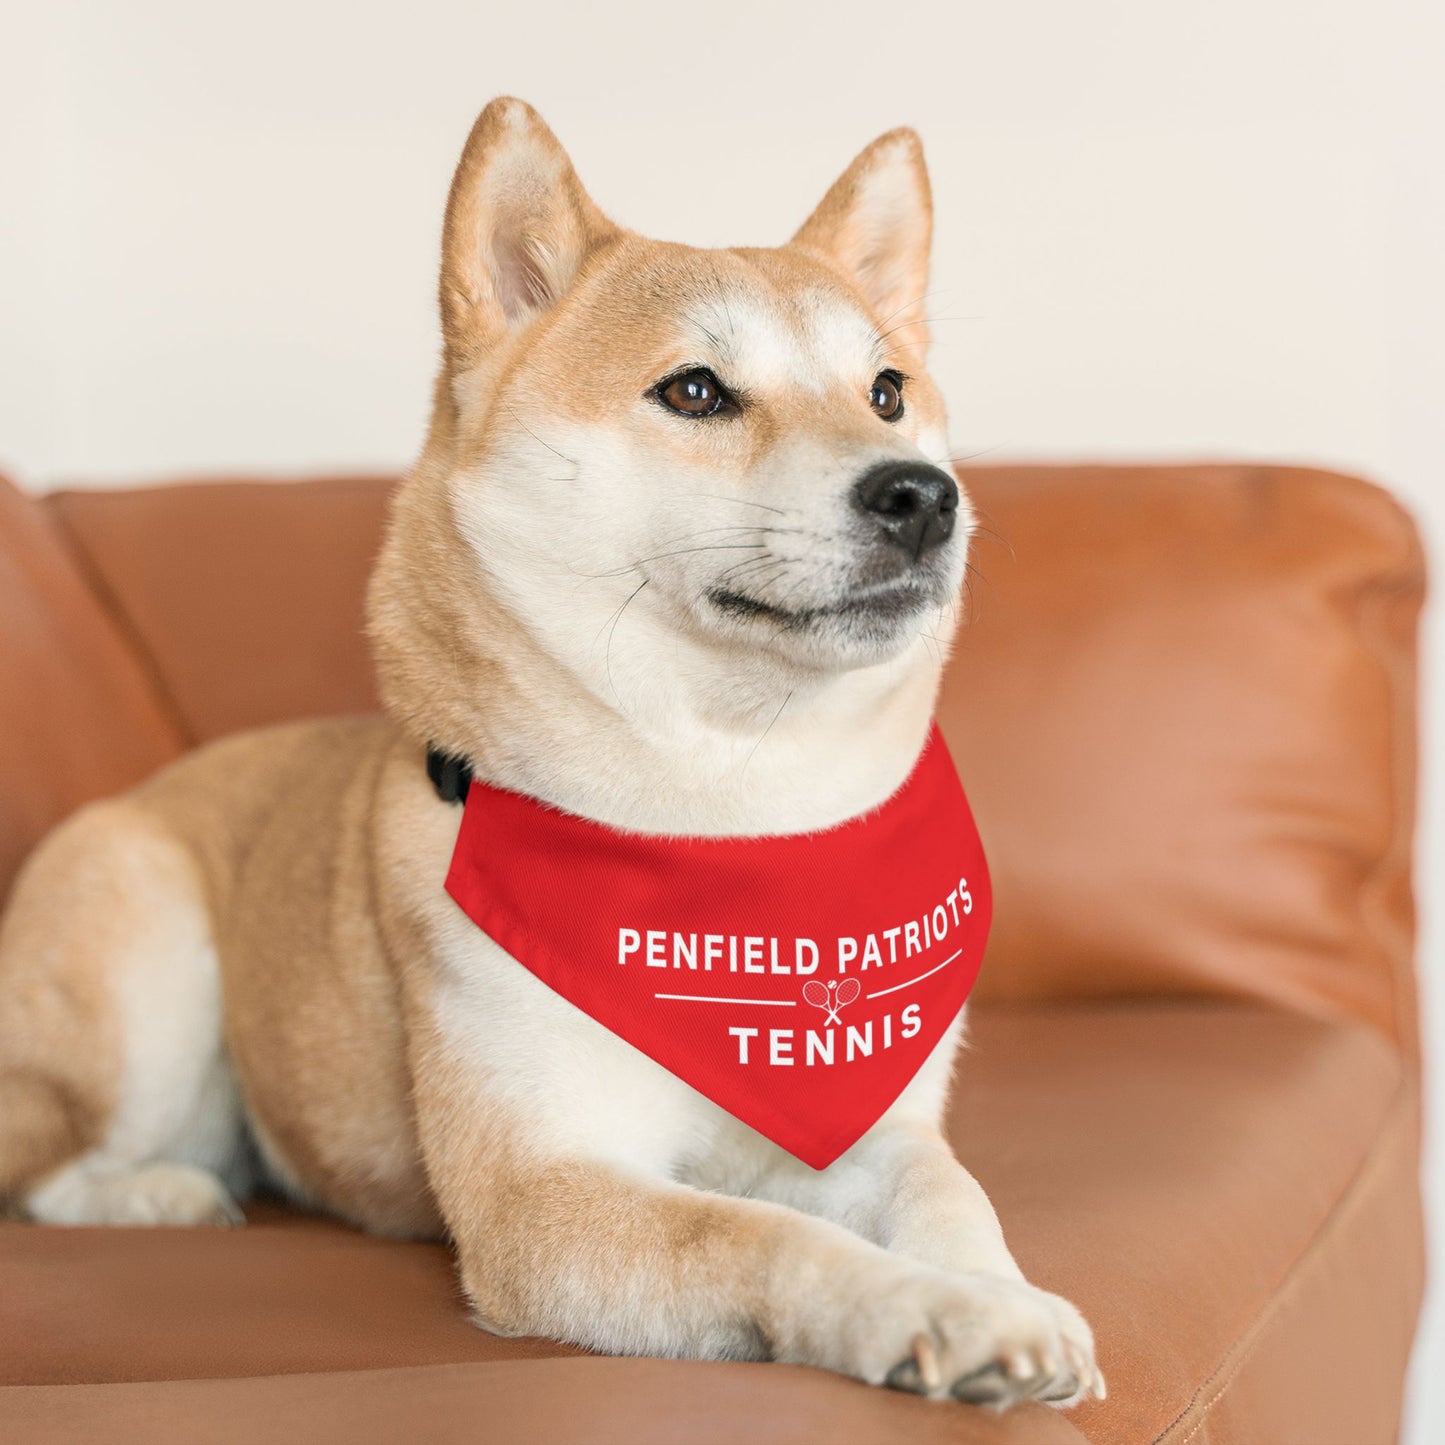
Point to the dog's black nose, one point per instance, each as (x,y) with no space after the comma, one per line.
(915,504)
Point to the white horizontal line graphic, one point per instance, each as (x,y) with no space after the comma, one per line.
(712,998)
(919,979)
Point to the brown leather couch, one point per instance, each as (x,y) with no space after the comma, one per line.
(1184,710)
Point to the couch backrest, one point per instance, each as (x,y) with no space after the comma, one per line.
(1183,705)
(246,596)
(1184,709)
(79,717)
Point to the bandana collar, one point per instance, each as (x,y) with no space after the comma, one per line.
(799,981)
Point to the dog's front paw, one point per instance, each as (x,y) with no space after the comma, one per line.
(981,1338)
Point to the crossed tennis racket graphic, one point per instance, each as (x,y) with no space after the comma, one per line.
(831,996)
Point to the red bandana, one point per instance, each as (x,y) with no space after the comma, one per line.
(799,981)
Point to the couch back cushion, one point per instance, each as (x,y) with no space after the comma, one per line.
(1184,710)
(247,595)
(79,717)
(1183,705)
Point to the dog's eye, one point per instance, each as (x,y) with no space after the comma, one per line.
(694,393)
(886,397)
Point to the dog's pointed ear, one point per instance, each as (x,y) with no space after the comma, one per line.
(877,223)
(518,228)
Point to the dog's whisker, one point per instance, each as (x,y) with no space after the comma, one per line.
(741,502)
(612,633)
(880,347)
(806,580)
(970,573)
(659,556)
(571,461)
(738,568)
(991,530)
(772,723)
(763,579)
(689,551)
(916,301)
(746,529)
(914,321)
(967,456)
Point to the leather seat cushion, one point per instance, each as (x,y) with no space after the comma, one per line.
(1191,1175)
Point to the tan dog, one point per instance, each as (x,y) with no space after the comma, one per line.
(634,573)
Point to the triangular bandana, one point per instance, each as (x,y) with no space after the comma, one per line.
(799,981)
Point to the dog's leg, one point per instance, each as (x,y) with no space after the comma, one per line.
(901,1188)
(116,1103)
(610,1255)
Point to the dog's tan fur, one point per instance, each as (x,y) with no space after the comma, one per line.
(251,955)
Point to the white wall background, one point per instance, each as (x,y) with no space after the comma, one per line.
(1163,229)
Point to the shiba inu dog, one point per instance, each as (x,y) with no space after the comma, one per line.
(677,557)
